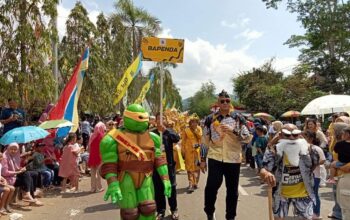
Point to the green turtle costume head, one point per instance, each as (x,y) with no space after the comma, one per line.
(136,118)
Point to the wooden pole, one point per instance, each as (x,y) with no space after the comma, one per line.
(269,195)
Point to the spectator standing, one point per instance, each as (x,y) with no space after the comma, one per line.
(12,117)
(310,137)
(95,161)
(169,139)
(85,129)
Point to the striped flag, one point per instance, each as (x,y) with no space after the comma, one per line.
(67,104)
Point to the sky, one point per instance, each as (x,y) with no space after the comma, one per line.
(222,38)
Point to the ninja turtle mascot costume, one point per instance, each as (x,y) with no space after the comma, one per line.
(129,156)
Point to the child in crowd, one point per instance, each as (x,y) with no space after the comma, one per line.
(38,164)
(7,192)
(260,144)
(68,166)
(341,155)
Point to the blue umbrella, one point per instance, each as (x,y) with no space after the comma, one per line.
(23,135)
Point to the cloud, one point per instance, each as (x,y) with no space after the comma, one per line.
(205,62)
(241,22)
(225,23)
(249,34)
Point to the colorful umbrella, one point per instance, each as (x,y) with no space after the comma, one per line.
(290,114)
(23,135)
(264,115)
(55,124)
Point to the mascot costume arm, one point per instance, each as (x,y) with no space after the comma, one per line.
(108,147)
(161,165)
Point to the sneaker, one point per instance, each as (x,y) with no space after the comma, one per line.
(323,185)
(175,215)
(160,216)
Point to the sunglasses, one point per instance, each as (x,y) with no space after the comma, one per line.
(222,101)
(289,135)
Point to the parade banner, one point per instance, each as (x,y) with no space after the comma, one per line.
(127,78)
(67,105)
(162,49)
(145,89)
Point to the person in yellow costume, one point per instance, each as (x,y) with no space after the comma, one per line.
(191,142)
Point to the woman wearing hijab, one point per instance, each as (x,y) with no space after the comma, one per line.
(94,161)
(18,176)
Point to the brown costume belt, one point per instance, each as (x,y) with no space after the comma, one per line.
(136,166)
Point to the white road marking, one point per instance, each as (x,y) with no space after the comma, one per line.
(242,191)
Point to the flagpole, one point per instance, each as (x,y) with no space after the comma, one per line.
(161,102)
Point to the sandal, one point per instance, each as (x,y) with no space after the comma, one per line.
(175,215)
(3,212)
(28,199)
(36,203)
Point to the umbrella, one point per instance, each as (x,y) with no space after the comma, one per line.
(264,115)
(55,124)
(290,114)
(327,104)
(23,135)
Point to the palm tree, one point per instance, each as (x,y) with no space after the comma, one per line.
(171,91)
(137,22)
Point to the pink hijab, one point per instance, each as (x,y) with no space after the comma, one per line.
(11,164)
(99,131)
(16,159)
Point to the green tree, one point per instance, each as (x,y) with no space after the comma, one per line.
(137,22)
(202,100)
(171,91)
(325,45)
(25,50)
(264,89)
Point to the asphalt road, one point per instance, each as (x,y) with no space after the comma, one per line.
(86,206)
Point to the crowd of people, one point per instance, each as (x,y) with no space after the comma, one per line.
(295,160)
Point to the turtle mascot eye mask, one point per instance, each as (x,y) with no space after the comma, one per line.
(136,118)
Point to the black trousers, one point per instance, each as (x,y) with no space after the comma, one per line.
(249,158)
(216,171)
(159,191)
(27,181)
(86,138)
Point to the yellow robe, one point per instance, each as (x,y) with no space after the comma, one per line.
(191,154)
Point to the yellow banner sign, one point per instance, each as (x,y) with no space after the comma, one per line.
(163,49)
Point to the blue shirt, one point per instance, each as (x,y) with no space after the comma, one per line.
(6,113)
(261,142)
